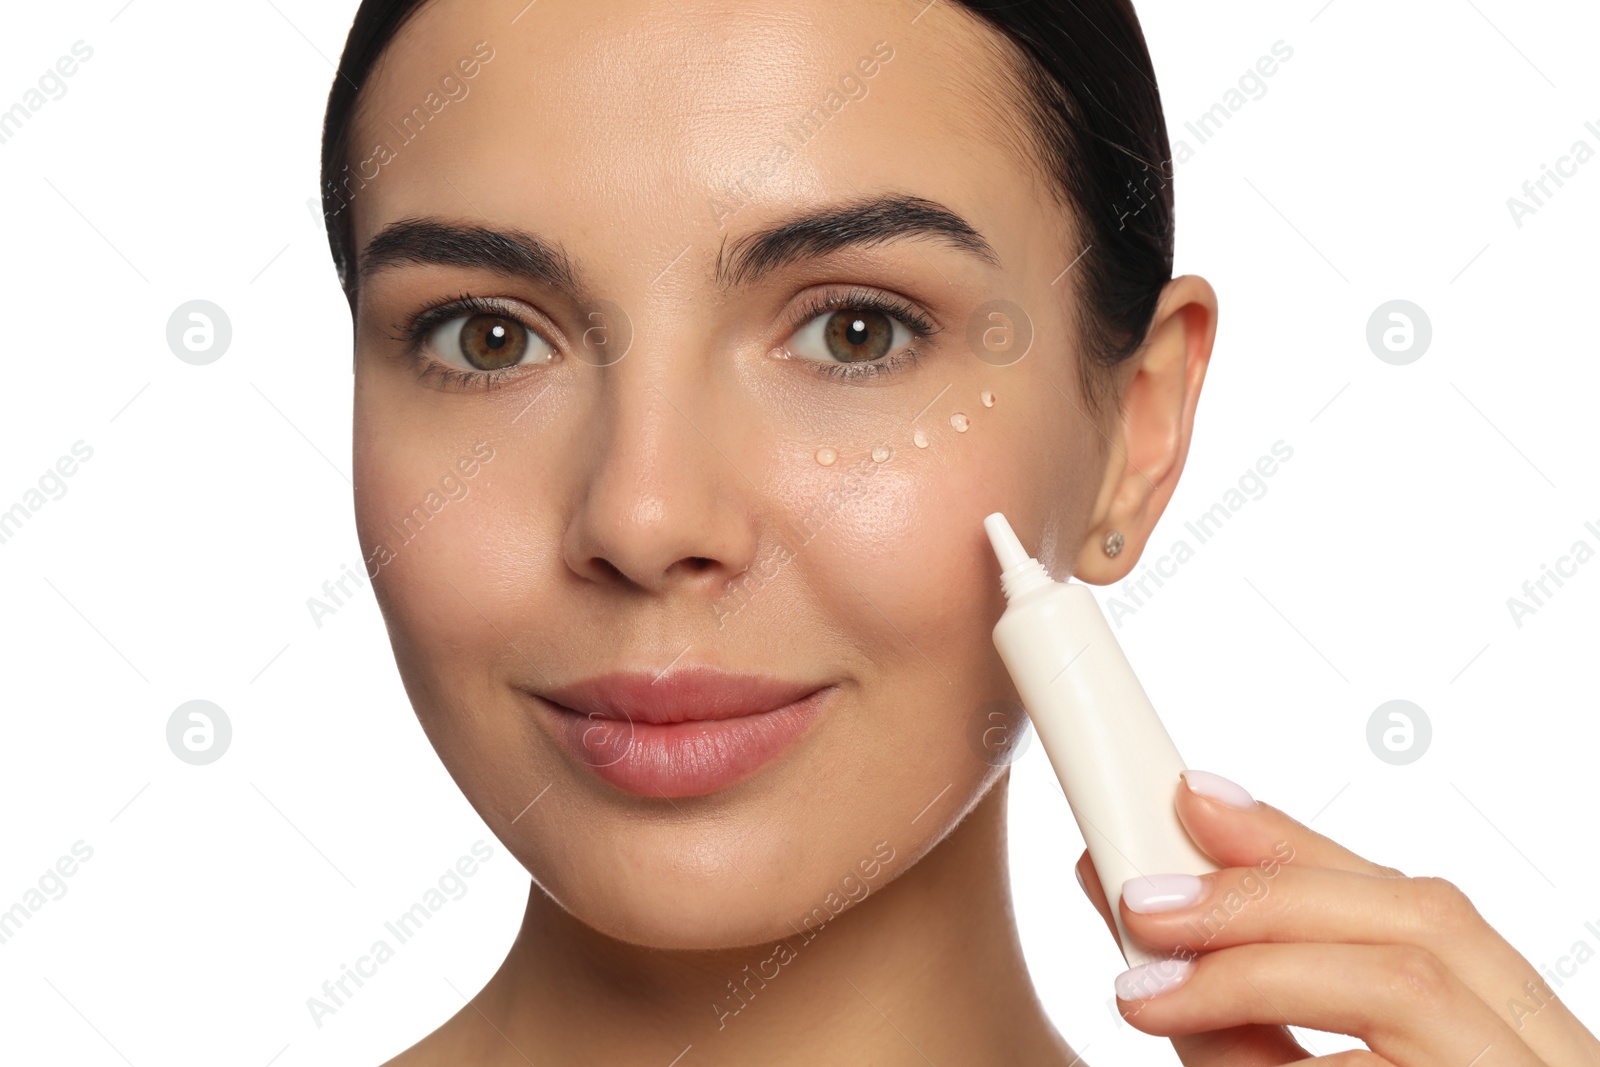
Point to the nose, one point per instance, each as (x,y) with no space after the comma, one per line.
(663,507)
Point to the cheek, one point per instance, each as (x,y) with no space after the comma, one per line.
(900,538)
(909,579)
(904,574)
(451,608)
(422,523)
(906,558)
(904,577)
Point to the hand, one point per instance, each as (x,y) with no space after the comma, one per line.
(1296,929)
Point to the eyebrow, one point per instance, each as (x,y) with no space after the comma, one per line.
(511,252)
(864,222)
(813,234)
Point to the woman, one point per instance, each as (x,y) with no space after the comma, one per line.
(721,330)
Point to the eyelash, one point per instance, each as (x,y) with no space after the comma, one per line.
(421,322)
(861,299)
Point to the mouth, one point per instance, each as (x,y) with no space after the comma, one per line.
(688,733)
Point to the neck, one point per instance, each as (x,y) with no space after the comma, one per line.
(925,968)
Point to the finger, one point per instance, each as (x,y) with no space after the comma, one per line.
(1239,1046)
(1237,830)
(1358,1057)
(1089,882)
(1315,904)
(1405,1004)
(1309,904)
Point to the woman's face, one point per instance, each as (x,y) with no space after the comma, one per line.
(650,485)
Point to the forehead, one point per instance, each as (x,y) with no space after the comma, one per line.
(644,128)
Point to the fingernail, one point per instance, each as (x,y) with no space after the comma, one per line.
(1078,873)
(1152,979)
(1161,892)
(1219,789)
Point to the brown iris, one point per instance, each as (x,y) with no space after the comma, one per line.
(490,342)
(856,335)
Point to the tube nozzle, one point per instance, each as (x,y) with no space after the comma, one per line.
(1007,548)
(1019,572)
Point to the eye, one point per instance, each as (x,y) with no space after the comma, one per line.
(486,341)
(857,333)
(851,334)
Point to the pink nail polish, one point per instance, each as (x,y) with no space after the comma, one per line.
(1161,892)
(1219,789)
(1152,979)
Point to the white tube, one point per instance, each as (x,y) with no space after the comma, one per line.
(1117,766)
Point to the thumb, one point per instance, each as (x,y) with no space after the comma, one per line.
(1089,882)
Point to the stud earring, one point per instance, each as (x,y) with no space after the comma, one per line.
(1113,543)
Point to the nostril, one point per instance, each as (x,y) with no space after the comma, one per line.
(699,563)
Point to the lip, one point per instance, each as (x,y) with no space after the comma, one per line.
(688,733)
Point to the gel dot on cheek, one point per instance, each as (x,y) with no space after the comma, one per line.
(919,439)
(826,456)
(960,422)
(987,396)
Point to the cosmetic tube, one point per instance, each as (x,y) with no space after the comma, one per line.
(1117,766)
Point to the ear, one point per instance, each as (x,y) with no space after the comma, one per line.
(1150,440)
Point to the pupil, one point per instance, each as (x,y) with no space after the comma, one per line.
(497,337)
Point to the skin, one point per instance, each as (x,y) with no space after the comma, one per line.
(1329,940)
(575,551)
(617,503)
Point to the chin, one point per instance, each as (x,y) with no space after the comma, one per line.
(681,919)
(679,890)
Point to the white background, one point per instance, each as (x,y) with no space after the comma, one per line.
(1377,565)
